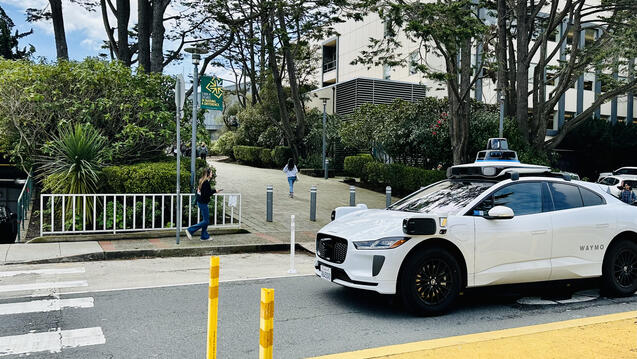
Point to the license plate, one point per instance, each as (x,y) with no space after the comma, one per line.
(326,273)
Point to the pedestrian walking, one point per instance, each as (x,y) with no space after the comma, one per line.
(204,192)
(627,195)
(203,151)
(291,171)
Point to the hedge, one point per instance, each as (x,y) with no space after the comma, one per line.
(402,179)
(252,155)
(224,144)
(280,155)
(149,177)
(354,166)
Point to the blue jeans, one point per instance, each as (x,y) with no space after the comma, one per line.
(203,225)
(291,182)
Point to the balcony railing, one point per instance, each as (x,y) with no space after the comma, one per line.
(329,66)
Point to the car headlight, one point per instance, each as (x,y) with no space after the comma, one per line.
(383,243)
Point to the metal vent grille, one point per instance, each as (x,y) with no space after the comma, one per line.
(354,93)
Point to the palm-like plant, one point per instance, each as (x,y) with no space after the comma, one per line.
(73,160)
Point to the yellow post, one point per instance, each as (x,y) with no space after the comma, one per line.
(213,303)
(266,329)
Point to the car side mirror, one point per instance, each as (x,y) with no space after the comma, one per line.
(500,212)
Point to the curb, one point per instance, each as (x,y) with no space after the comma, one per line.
(170,252)
(125,236)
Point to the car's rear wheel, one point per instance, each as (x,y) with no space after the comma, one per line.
(619,272)
(430,281)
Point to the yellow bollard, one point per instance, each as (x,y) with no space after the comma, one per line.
(213,303)
(266,328)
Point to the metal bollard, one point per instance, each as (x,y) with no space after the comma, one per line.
(313,203)
(266,332)
(326,168)
(388,196)
(268,210)
(213,311)
(352,196)
(292,244)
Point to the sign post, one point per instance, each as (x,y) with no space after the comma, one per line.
(180,97)
(211,93)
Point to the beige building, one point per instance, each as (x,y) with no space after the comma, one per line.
(345,86)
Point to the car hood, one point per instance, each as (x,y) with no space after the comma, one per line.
(370,224)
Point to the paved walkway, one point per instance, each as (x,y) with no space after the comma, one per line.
(251,182)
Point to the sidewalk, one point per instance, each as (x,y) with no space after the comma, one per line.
(264,236)
(22,253)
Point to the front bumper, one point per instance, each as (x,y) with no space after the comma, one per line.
(375,270)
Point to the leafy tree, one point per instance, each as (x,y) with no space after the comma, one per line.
(54,13)
(134,111)
(9,42)
(449,29)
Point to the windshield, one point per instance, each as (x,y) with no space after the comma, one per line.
(446,197)
(626,171)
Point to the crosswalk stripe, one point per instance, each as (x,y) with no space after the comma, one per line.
(43,271)
(52,342)
(48,305)
(43,285)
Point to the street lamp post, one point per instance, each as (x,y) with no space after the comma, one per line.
(196,56)
(324,99)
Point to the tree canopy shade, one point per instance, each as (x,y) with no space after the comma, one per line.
(9,48)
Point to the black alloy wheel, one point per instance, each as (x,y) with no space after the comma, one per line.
(430,281)
(619,271)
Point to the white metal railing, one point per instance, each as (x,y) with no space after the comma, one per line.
(113,213)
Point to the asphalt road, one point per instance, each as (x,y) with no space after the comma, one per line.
(312,317)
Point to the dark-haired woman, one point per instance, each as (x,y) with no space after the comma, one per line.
(204,192)
(291,171)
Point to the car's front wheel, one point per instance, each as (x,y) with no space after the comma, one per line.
(619,273)
(430,281)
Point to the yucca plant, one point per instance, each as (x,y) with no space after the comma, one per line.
(73,160)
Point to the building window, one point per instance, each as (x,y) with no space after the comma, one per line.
(589,37)
(588,85)
(386,72)
(414,58)
(329,58)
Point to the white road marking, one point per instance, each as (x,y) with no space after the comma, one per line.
(43,271)
(44,285)
(45,305)
(52,342)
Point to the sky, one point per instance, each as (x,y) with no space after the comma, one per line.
(84,34)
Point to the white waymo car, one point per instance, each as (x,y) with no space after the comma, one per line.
(489,223)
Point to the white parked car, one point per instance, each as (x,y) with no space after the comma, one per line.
(621,171)
(616,183)
(489,223)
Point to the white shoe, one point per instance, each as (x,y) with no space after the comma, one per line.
(188,234)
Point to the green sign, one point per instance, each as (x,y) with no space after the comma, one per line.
(211,93)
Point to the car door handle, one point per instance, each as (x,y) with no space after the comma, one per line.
(541,231)
(601,225)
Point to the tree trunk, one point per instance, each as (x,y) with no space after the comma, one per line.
(58,28)
(144,23)
(123,17)
(294,87)
(274,69)
(522,70)
(157,54)
(464,111)
(501,51)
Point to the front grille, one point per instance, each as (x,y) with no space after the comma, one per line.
(330,248)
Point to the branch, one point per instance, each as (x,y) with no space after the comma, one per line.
(211,57)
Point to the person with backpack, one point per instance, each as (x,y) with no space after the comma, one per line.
(291,171)
(204,192)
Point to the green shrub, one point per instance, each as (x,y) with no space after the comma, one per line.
(265,157)
(354,166)
(403,179)
(280,155)
(249,155)
(225,143)
(149,177)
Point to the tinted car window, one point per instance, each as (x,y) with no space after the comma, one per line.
(590,198)
(522,198)
(565,196)
(443,197)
